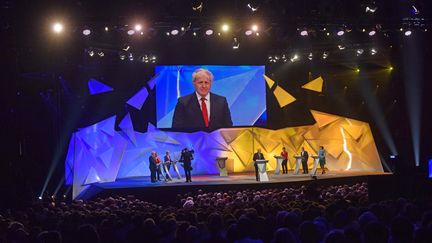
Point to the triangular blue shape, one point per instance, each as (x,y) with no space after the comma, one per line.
(97,87)
(106,157)
(262,120)
(138,99)
(126,123)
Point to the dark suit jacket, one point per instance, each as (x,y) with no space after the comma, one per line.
(187,113)
(305,156)
(152,163)
(166,158)
(186,158)
(258,156)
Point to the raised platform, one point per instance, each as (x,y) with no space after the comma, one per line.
(142,187)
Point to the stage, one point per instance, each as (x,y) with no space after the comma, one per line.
(142,187)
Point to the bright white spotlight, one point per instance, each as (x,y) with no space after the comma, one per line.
(294,58)
(194,33)
(131,32)
(252,8)
(86,32)
(370,9)
(341,47)
(57,27)
(106,28)
(174,32)
(182,28)
(40,197)
(198,6)
(122,56)
(254,28)
(325,55)
(359,52)
(131,58)
(225,27)
(310,56)
(372,33)
(91,53)
(138,27)
(408,33)
(340,33)
(101,54)
(303,33)
(257,33)
(209,32)
(235,44)
(248,32)
(415,10)
(373,51)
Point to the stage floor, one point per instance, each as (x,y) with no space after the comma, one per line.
(232,179)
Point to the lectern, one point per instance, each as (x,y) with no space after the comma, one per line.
(165,169)
(176,169)
(221,164)
(279,160)
(297,164)
(262,172)
(315,164)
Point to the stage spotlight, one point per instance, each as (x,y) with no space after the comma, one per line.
(225,28)
(106,29)
(340,33)
(257,33)
(57,27)
(182,28)
(415,10)
(372,33)
(209,32)
(304,33)
(40,197)
(91,53)
(248,32)
(131,58)
(235,44)
(138,27)
(371,9)
(194,33)
(373,51)
(174,32)
(390,68)
(197,6)
(122,56)
(359,52)
(328,34)
(254,28)
(294,58)
(357,70)
(325,55)
(341,47)
(408,33)
(86,32)
(252,7)
(125,47)
(101,54)
(310,56)
(168,33)
(131,32)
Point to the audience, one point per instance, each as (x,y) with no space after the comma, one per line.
(309,214)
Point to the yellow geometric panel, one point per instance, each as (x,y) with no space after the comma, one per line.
(269,81)
(315,85)
(323,119)
(354,130)
(283,97)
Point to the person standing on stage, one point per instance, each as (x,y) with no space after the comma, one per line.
(284,155)
(152,166)
(158,167)
(186,158)
(322,159)
(167,165)
(258,155)
(304,158)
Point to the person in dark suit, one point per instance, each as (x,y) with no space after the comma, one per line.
(186,158)
(257,155)
(202,109)
(167,165)
(304,158)
(152,166)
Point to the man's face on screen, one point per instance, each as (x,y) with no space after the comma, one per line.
(202,84)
